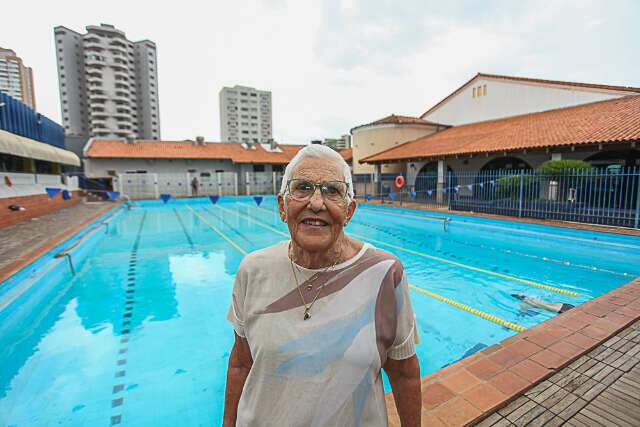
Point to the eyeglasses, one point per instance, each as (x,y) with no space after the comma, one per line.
(302,190)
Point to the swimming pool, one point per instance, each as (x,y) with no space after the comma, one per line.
(138,335)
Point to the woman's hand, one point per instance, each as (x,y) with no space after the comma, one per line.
(240,363)
(404,376)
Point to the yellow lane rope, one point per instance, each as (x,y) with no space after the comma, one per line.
(468,309)
(457,264)
(470,267)
(486,316)
(224,236)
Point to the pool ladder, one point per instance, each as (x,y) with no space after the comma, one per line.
(66,253)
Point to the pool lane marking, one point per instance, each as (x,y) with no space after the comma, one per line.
(184,230)
(464,307)
(208,210)
(260,223)
(468,267)
(220,233)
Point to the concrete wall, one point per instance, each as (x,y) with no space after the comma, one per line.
(99,168)
(510,98)
(373,139)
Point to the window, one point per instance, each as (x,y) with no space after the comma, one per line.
(474,92)
(484,90)
(191,170)
(258,168)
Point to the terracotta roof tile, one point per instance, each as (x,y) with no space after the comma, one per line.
(347,154)
(614,120)
(532,80)
(395,119)
(101,148)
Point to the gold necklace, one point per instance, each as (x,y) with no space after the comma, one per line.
(307,308)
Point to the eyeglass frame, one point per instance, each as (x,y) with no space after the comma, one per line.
(317,186)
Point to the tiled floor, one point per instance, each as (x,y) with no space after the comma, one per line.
(597,343)
(601,388)
(22,242)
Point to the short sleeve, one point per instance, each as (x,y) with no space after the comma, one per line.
(404,345)
(236,313)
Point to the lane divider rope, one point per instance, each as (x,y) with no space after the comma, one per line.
(468,267)
(464,307)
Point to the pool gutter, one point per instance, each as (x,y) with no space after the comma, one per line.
(471,389)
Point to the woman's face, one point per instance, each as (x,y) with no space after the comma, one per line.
(316,224)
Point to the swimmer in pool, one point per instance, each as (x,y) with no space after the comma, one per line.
(540,303)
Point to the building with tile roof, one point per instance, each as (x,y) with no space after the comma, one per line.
(383,134)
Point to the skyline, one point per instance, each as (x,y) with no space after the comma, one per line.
(335,65)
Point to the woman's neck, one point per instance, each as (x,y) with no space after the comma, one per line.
(339,252)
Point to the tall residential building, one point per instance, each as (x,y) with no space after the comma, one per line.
(108,84)
(16,80)
(338,144)
(245,115)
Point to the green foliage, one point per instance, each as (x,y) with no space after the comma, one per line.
(557,167)
(509,186)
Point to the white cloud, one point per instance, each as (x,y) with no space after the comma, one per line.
(336,64)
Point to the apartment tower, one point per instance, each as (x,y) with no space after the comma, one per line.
(245,115)
(16,80)
(108,84)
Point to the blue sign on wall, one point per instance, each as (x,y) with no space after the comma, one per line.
(16,117)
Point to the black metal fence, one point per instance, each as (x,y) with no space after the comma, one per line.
(608,196)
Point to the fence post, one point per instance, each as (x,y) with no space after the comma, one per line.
(521,185)
(636,223)
(155,185)
(447,185)
(235,177)
(273,177)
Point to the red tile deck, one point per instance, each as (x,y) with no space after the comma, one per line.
(473,388)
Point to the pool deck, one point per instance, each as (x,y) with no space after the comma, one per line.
(581,367)
(23,243)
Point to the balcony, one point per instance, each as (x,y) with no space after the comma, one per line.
(97,97)
(93,79)
(94,63)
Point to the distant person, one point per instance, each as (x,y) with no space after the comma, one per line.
(194,186)
(317,317)
(535,302)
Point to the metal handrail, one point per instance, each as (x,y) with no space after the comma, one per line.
(66,252)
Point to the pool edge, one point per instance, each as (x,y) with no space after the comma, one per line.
(475,387)
(15,267)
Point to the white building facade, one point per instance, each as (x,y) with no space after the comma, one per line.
(245,115)
(108,84)
(488,97)
(16,79)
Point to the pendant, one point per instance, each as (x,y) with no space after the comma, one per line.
(309,287)
(306,315)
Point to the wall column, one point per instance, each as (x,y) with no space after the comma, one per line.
(442,170)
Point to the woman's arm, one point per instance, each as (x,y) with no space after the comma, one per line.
(240,363)
(404,376)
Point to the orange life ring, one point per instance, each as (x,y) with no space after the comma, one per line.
(8,181)
(399,181)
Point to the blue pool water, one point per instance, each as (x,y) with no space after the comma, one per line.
(138,336)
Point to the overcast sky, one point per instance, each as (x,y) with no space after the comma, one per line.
(332,65)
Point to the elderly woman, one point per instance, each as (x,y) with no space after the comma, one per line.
(317,317)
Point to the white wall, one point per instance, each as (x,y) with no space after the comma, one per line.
(509,98)
(98,168)
(29,184)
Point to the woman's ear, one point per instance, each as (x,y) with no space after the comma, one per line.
(281,208)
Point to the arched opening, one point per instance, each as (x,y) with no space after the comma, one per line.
(427,180)
(506,163)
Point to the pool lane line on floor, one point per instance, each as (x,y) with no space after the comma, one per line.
(506,251)
(464,307)
(468,267)
(184,229)
(118,388)
(226,224)
(220,233)
(518,230)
